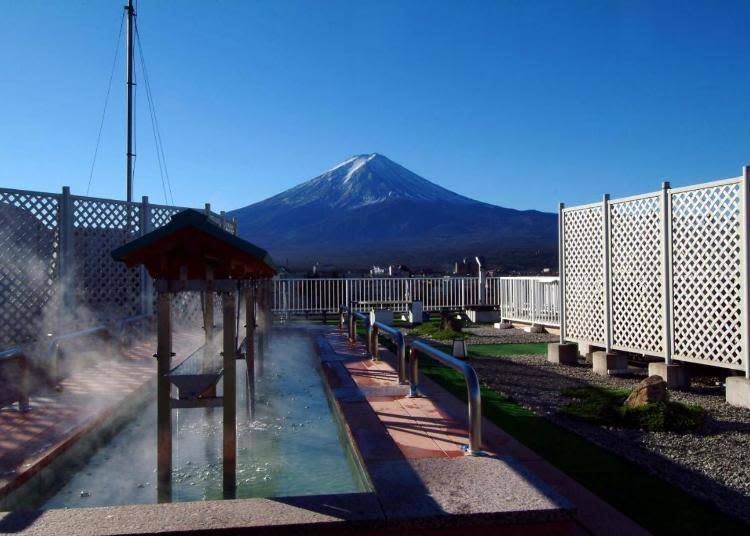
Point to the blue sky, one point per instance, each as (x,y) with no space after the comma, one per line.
(522,104)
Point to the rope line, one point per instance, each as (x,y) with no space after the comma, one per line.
(106,102)
(158,141)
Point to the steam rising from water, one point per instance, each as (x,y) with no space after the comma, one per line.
(290,446)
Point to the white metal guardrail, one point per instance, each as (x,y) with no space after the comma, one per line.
(523,299)
(662,274)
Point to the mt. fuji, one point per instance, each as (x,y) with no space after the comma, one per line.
(370,210)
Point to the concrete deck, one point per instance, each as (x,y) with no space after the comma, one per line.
(422,437)
(30,441)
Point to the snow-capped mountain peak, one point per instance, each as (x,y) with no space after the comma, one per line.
(364,180)
(368,209)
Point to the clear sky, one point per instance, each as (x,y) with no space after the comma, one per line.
(522,104)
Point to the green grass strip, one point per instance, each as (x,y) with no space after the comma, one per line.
(655,504)
(496,350)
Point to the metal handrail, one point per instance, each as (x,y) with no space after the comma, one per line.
(23,392)
(119,327)
(472,386)
(120,324)
(353,315)
(54,347)
(398,338)
(472,381)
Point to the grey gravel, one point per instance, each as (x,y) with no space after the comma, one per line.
(712,463)
(490,335)
(483,334)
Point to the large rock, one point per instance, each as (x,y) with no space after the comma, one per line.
(652,389)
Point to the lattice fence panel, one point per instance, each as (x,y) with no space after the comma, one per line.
(706,275)
(636,275)
(584,275)
(160,215)
(105,289)
(29,264)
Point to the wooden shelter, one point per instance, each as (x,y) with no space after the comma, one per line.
(191,253)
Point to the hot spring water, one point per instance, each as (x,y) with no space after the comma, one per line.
(291,444)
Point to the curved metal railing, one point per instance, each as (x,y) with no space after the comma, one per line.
(54,346)
(399,340)
(472,387)
(474,394)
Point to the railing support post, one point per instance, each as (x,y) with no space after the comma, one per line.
(413,373)
(607,276)
(374,350)
(401,356)
(472,387)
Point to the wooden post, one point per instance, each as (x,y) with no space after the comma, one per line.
(250,345)
(230,397)
(208,315)
(164,410)
(250,327)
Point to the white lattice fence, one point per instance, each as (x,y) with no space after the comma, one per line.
(29,262)
(105,290)
(583,266)
(707,246)
(661,274)
(637,275)
(56,271)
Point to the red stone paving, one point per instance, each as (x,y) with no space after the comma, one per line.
(57,419)
(435,425)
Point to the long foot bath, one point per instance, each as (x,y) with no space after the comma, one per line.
(289,443)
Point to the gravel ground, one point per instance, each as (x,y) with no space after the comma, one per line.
(490,335)
(712,462)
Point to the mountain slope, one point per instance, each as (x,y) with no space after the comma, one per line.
(369,210)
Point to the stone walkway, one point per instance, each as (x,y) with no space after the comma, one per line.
(30,441)
(415,434)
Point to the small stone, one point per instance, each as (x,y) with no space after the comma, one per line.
(652,389)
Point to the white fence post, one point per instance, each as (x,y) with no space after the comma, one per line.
(67,269)
(480,286)
(745,256)
(147,285)
(666,244)
(607,276)
(561,267)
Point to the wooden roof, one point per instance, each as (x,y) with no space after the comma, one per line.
(191,240)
